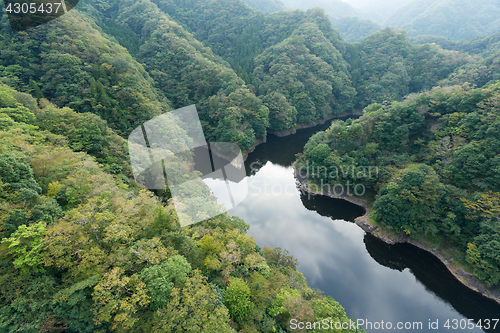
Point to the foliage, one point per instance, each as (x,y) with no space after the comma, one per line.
(334,8)
(237,299)
(77,66)
(354,29)
(160,279)
(26,247)
(117,298)
(193,309)
(83,252)
(309,72)
(116,258)
(415,200)
(386,67)
(437,154)
(17,177)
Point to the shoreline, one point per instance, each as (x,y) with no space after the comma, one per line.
(310,124)
(364,222)
(297,127)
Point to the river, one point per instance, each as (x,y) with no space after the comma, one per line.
(373,281)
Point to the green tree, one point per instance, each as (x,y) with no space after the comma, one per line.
(193,309)
(117,298)
(25,245)
(237,300)
(160,279)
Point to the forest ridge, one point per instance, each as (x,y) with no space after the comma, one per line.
(247,72)
(84,250)
(455,19)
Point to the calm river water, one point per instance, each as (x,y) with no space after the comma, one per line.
(372,280)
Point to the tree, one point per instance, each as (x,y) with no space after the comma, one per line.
(414,201)
(16,218)
(74,304)
(193,309)
(17,175)
(487,206)
(26,246)
(281,114)
(117,298)
(237,300)
(160,279)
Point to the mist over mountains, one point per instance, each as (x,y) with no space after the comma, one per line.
(356,19)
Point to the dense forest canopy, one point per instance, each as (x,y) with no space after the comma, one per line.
(221,55)
(454,19)
(85,250)
(354,29)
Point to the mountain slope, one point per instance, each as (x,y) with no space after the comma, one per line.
(439,156)
(269,41)
(83,252)
(483,46)
(455,19)
(73,64)
(386,67)
(187,72)
(354,29)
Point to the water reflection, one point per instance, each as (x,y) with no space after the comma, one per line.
(336,209)
(434,275)
(371,279)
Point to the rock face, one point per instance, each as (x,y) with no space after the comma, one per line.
(283,133)
(363,223)
(388,237)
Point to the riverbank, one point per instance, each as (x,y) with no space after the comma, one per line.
(300,126)
(369,226)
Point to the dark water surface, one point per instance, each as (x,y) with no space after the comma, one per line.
(372,280)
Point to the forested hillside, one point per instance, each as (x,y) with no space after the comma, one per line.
(455,19)
(84,250)
(458,20)
(73,64)
(354,29)
(253,71)
(438,154)
(352,24)
(386,67)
